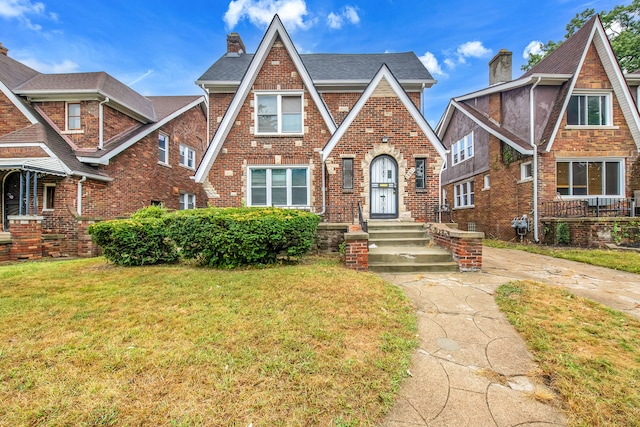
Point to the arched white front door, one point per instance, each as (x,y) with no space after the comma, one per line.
(384,187)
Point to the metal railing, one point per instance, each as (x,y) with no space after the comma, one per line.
(590,207)
(441,213)
(363,224)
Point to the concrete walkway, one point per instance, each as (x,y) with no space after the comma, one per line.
(472,368)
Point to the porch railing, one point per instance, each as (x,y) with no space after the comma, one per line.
(441,213)
(591,207)
(363,223)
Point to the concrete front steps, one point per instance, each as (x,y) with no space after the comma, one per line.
(405,247)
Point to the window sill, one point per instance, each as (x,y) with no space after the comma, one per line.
(347,191)
(595,127)
(72,132)
(485,189)
(524,180)
(278,135)
(166,165)
(186,167)
(458,208)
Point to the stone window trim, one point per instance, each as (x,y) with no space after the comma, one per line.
(280,113)
(48,195)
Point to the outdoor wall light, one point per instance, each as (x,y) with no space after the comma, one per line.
(385,139)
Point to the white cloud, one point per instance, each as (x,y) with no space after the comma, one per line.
(431,62)
(348,14)
(533,48)
(260,13)
(450,63)
(66,66)
(473,49)
(21,9)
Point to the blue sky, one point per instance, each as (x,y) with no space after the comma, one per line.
(160,47)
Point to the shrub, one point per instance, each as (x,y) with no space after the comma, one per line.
(562,233)
(141,240)
(230,237)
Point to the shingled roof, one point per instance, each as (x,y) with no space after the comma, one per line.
(14,73)
(329,67)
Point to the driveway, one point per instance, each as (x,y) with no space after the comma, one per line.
(471,367)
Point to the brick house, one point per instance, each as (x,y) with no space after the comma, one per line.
(565,134)
(319,131)
(81,147)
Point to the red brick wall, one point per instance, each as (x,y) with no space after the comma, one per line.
(115,123)
(218,104)
(13,152)
(11,119)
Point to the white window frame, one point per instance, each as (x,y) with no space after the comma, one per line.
(463,195)
(279,96)
(621,177)
(187,157)
(187,201)
(45,198)
(163,137)
(462,150)
(524,176)
(67,117)
(609,107)
(269,169)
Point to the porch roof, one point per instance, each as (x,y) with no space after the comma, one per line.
(46,165)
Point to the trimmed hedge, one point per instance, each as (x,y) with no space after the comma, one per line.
(217,237)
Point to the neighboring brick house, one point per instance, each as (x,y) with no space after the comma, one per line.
(81,147)
(566,130)
(319,131)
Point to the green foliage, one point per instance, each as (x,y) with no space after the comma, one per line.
(562,233)
(150,212)
(136,241)
(231,237)
(627,232)
(622,24)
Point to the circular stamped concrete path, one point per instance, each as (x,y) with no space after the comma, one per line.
(471,367)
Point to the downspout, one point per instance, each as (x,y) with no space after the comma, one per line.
(422,99)
(535,161)
(84,178)
(101,120)
(324,192)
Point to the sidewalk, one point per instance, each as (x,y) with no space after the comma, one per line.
(471,367)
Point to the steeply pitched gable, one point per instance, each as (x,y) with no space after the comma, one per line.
(276,30)
(383,80)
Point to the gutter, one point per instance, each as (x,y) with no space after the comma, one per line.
(324,191)
(84,178)
(535,161)
(206,102)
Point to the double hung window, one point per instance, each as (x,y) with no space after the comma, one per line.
(163,148)
(463,149)
(463,194)
(278,114)
(187,157)
(73,116)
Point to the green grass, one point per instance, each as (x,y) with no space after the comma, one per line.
(619,260)
(591,353)
(88,343)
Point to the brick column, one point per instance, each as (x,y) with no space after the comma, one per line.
(26,236)
(357,248)
(86,247)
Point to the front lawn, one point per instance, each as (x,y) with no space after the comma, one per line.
(88,343)
(590,353)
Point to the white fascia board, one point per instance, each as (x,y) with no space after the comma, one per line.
(275,28)
(19,105)
(104,160)
(495,133)
(443,123)
(385,73)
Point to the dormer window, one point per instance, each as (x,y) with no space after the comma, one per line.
(589,110)
(73,116)
(278,114)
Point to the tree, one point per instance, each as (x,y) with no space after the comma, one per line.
(622,25)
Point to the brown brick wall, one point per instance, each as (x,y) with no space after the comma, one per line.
(13,152)
(11,119)
(218,104)
(115,123)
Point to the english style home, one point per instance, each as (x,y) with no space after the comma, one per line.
(324,132)
(562,140)
(81,147)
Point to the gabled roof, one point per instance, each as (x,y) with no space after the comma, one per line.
(167,108)
(14,73)
(384,73)
(96,83)
(329,68)
(275,30)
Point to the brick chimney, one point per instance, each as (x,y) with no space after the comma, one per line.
(500,68)
(235,44)
(3,50)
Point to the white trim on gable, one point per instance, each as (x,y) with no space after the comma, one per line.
(614,73)
(19,105)
(383,73)
(104,160)
(275,29)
